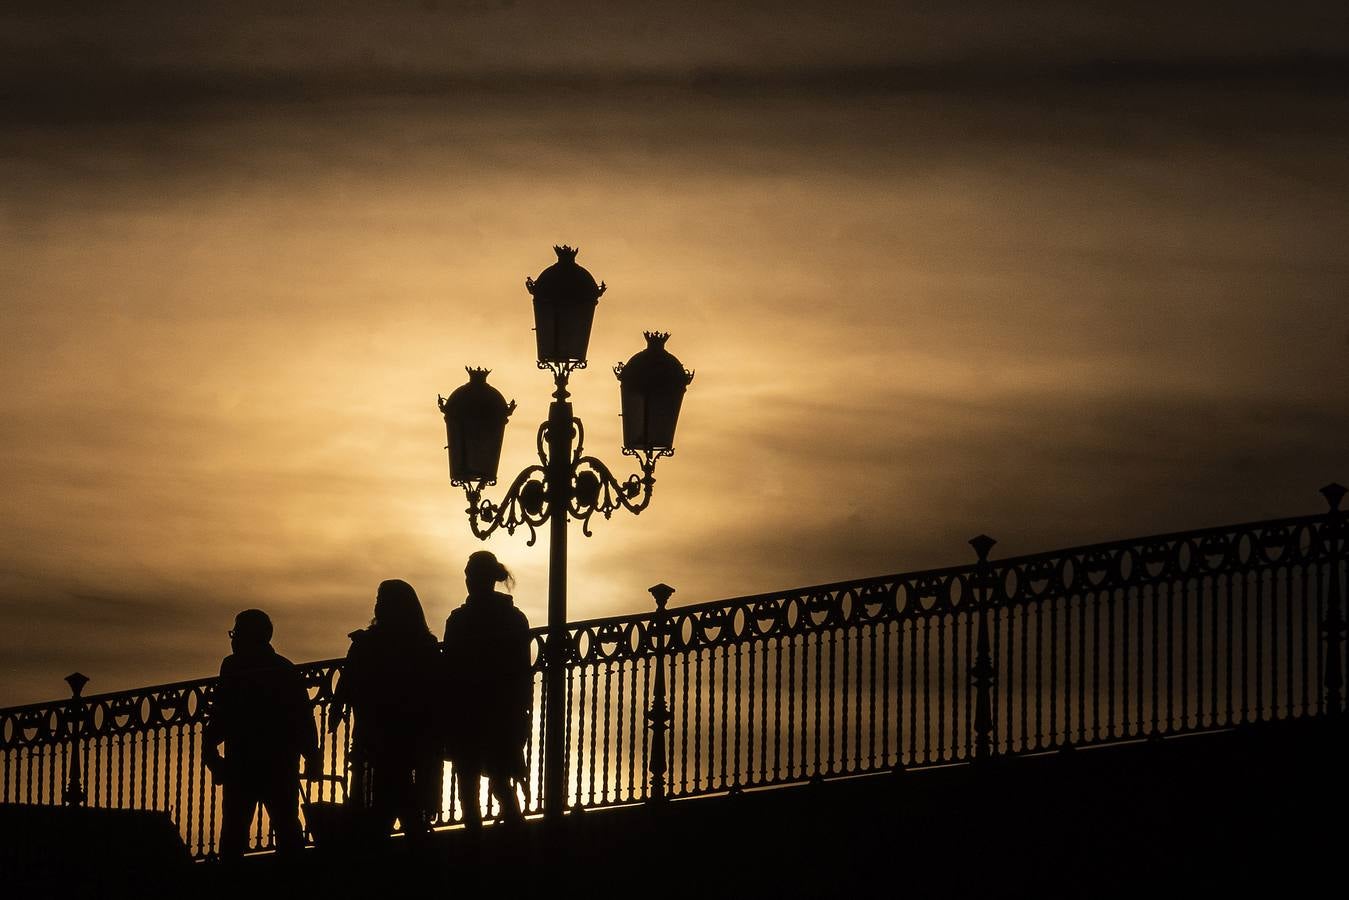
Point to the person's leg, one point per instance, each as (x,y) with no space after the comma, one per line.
(384,802)
(283,807)
(238,803)
(411,811)
(469,779)
(503,789)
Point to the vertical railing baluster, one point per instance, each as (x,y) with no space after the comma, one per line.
(1231,607)
(649,690)
(998,618)
(1332,624)
(1082,666)
(777,710)
(1245,657)
(816,771)
(927,688)
(1156,648)
(1094,598)
(913,684)
(658,716)
(858,653)
(1215,693)
(871,699)
(1289,681)
(1186,587)
(1169,639)
(832,631)
(607,749)
(696,657)
(1271,601)
(633,715)
(1304,651)
(1200,601)
(1110,721)
(967,746)
(727,725)
(1023,700)
(570,761)
(791,702)
(594,724)
(1037,617)
(746,726)
(982,672)
(1259,711)
(684,719)
(1130,728)
(1287,641)
(73,795)
(1053,600)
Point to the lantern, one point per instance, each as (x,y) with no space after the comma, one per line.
(651,386)
(565,296)
(475,423)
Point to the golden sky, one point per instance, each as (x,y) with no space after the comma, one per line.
(929,288)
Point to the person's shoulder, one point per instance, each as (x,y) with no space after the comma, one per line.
(229,665)
(513,613)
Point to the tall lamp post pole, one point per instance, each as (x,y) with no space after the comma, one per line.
(566,483)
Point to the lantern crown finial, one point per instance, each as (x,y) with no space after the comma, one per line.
(566,253)
(477,374)
(656,339)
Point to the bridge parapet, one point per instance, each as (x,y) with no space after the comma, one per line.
(1140,639)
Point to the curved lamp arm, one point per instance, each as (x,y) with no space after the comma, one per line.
(595,489)
(525,504)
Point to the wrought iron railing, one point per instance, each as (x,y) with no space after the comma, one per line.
(1124,641)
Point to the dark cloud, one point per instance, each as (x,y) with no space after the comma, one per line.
(140,61)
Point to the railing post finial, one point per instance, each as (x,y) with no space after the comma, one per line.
(658,716)
(73,795)
(1332,627)
(982,672)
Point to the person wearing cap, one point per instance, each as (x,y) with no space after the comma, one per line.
(261,713)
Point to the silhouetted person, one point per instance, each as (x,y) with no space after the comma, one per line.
(488,690)
(261,713)
(389,681)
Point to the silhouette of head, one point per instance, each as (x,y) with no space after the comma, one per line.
(397,609)
(252,630)
(483,572)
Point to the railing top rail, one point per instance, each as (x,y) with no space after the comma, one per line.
(862,584)
(1173,536)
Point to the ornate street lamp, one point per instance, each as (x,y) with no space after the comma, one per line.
(565,484)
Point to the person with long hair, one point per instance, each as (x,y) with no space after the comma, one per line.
(388,682)
(489,691)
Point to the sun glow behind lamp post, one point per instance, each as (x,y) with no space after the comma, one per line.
(565,484)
